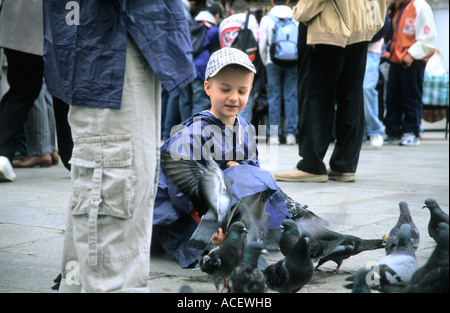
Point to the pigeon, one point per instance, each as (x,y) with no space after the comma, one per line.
(208,190)
(350,245)
(404,218)
(396,269)
(220,262)
(248,277)
(433,276)
(393,272)
(436,216)
(317,248)
(292,272)
(298,211)
(359,284)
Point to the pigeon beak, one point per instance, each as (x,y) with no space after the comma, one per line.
(245,230)
(424,206)
(264,251)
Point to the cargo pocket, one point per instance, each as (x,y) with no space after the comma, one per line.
(102,182)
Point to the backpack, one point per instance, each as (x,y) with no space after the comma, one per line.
(283,48)
(198,30)
(245,41)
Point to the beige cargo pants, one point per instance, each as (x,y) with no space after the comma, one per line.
(114,181)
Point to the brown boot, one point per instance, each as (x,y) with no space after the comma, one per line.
(35,160)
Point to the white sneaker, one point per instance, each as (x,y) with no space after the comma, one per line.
(274,140)
(290,139)
(6,170)
(376,141)
(409,139)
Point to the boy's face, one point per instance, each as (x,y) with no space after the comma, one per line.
(229,91)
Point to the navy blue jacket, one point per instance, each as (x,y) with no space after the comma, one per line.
(84,64)
(173,225)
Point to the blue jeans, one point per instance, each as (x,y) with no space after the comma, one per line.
(282,85)
(247,112)
(193,99)
(373,125)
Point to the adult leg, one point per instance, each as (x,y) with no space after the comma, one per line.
(274,95)
(373,125)
(350,110)
(25,74)
(319,77)
(393,118)
(63,132)
(114,183)
(290,101)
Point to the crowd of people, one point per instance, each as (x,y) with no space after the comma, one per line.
(118,90)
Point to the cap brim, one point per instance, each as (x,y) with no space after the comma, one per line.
(253,70)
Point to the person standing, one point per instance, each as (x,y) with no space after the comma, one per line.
(112,81)
(333,41)
(413,43)
(21,37)
(281,81)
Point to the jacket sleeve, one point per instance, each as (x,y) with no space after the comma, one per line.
(306,10)
(425,30)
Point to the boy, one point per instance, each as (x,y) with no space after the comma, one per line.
(229,138)
(412,46)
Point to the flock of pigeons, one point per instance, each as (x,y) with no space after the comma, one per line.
(240,266)
(239,261)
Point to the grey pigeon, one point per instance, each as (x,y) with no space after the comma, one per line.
(318,248)
(220,262)
(293,272)
(207,189)
(298,211)
(436,216)
(404,218)
(433,276)
(396,269)
(248,277)
(359,284)
(350,245)
(393,272)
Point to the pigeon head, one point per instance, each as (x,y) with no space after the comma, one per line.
(237,229)
(404,235)
(431,204)
(289,226)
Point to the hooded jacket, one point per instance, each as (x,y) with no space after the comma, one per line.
(204,131)
(85,45)
(340,22)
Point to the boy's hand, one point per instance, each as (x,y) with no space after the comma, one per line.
(407,60)
(232,163)
(218,238)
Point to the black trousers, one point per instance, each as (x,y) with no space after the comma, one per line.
(24,75)
(330,91)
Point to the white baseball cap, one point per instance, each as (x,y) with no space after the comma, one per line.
(227,56)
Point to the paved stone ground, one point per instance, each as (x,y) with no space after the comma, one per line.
(33,214)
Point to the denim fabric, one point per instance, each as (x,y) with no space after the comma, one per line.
(247,112)
(193,99)
(373,125)
(282,86)
(114,173)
